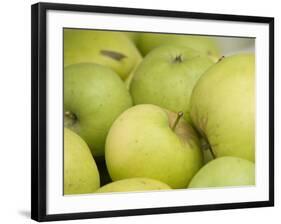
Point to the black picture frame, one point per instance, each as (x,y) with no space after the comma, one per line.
(39,116)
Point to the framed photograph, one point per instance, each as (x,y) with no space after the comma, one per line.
(139,111)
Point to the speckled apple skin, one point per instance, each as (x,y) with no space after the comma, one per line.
(208,46)
(97,96)
(223,106)
(167,76)
(81,175)
(92,46)
(225,172)
(133,184)
(141,143)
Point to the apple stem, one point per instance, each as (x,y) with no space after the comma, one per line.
(205,145)
(178,59)
(70,115)
(222,57)
(212,152)
(179,115)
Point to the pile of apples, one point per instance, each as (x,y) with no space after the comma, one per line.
(146,111)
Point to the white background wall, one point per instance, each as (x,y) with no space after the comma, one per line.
(15,111)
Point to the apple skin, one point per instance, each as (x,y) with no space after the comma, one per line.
(129,79)
(205,45)
(133,36)
(141,143)
(223,107)
(81,175)
(223,172)
(166,77)
(112,49)
(133,184)
(96,96)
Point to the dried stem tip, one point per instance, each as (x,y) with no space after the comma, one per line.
(179,115)
(70,115)
(178,59)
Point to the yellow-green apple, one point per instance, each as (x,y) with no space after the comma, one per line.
(94,96)
(166,77)
(133,184)
(148,141)
(223,107)
(204,44)
(133,36)
(80,171)
(112,49)
(129,79)
(225,171)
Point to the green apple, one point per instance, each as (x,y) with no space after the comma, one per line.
(148,141)
(112,49)
(223,107)
(205,45)
(94,96)
(166,77)
(133,36)
(129,79)
(133,184)
(80,171)
(225,171)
